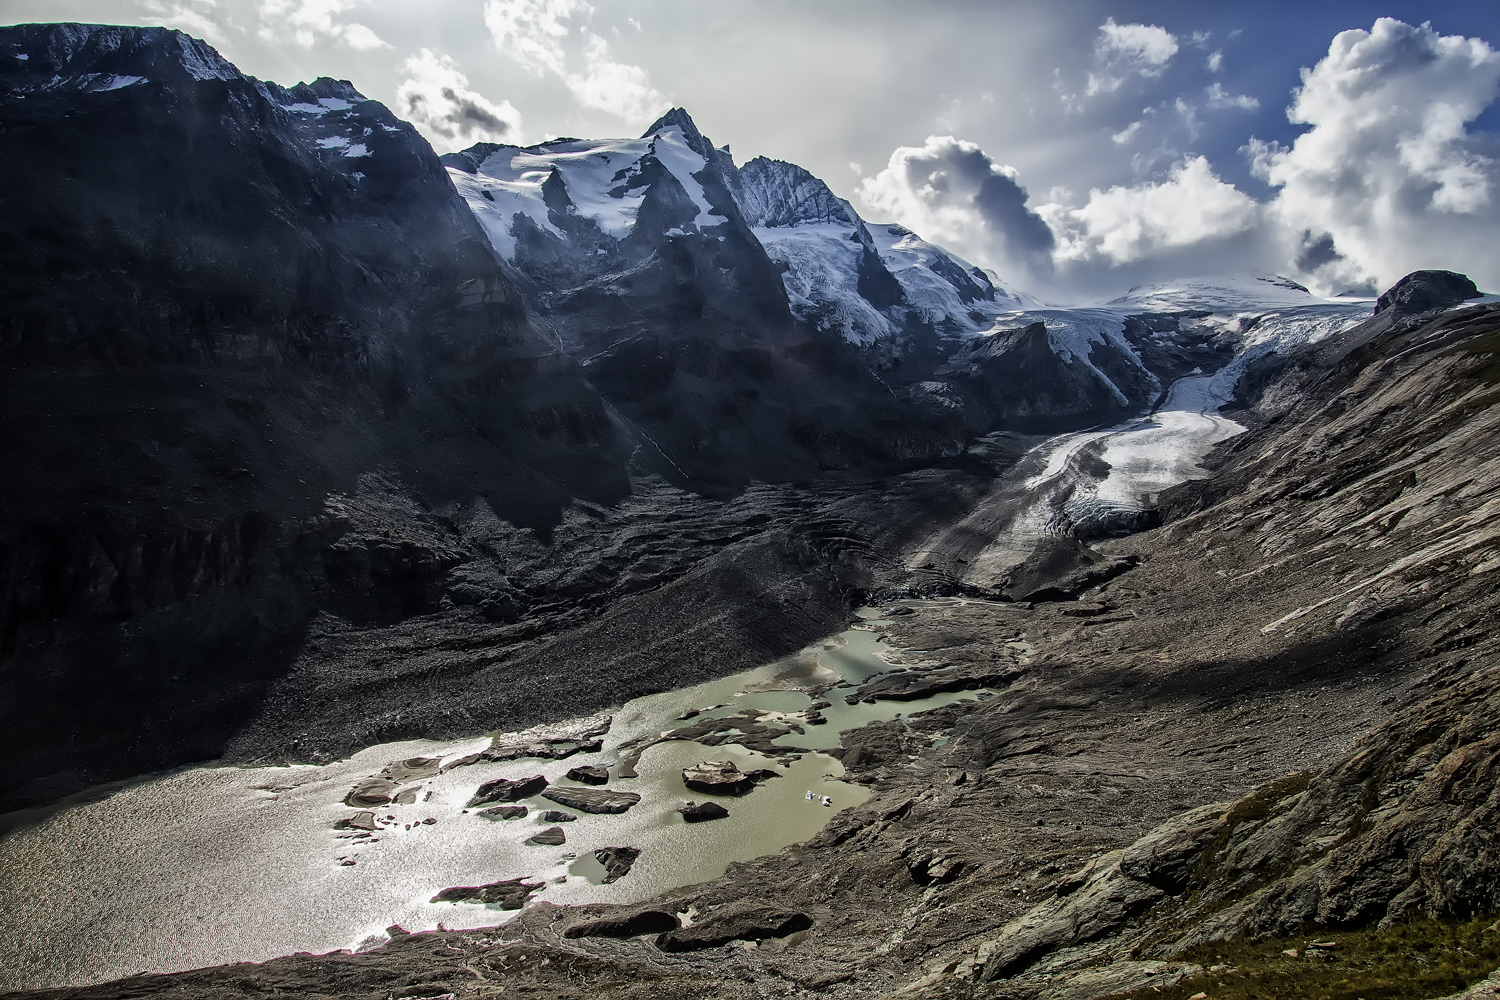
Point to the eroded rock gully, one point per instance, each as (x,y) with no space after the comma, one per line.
(1285,717)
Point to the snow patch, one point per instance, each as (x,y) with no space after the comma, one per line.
(822,279)
(672,149)
(117,82)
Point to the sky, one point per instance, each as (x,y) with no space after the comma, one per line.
(1075,148)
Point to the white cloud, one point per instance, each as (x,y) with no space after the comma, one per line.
(435,96)
(308,21)
(615,88)
(1216,61)
(196,17)
(1189,115)
(1123,51)
(1128,133)
(532,32)
(949,189)
(1389,168)
(1220,99)
(541,36)
(1123,225)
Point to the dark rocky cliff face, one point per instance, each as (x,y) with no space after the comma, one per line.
(226,301)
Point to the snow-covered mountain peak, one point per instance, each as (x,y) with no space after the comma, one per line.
(683,123)
(602,182)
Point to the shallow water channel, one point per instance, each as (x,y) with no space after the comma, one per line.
(214,864)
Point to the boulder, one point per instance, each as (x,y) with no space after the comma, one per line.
(504,812)
(511,894)
(591,800)
(589,774)
(507,790)
(553,836)
(699,812)
(556,816)
(359,821)
(744,921)
(718,777)
(617,861)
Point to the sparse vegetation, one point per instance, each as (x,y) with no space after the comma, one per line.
(1417,959)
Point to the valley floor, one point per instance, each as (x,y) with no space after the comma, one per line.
(1278,713)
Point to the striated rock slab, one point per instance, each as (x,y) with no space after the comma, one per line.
(507,790)
(511,894)
(553,836)
(504,812)
(589,774)
(748,921)
(591,800)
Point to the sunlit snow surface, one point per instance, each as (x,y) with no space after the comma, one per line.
(1264,314)
(602,179)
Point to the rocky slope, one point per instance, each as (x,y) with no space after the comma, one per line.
(1281,721)
(258,300)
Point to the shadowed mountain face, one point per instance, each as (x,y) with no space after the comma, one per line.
(225,302)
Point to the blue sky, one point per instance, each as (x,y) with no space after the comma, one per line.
(1076,148)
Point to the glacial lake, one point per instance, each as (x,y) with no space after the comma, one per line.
(209,865)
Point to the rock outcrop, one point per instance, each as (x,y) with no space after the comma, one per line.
(507,790)
(750,921)
(511,894)
(723,777)
(591,800)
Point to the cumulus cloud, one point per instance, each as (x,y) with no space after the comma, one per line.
(615,88)
(1192,207)
(435,96)
(1123,51)
(545,38)
(308,21)
(532,32)
(1389,170)
(196,17)
(950,189)
(1220,99)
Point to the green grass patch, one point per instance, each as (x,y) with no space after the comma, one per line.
(1409,961)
